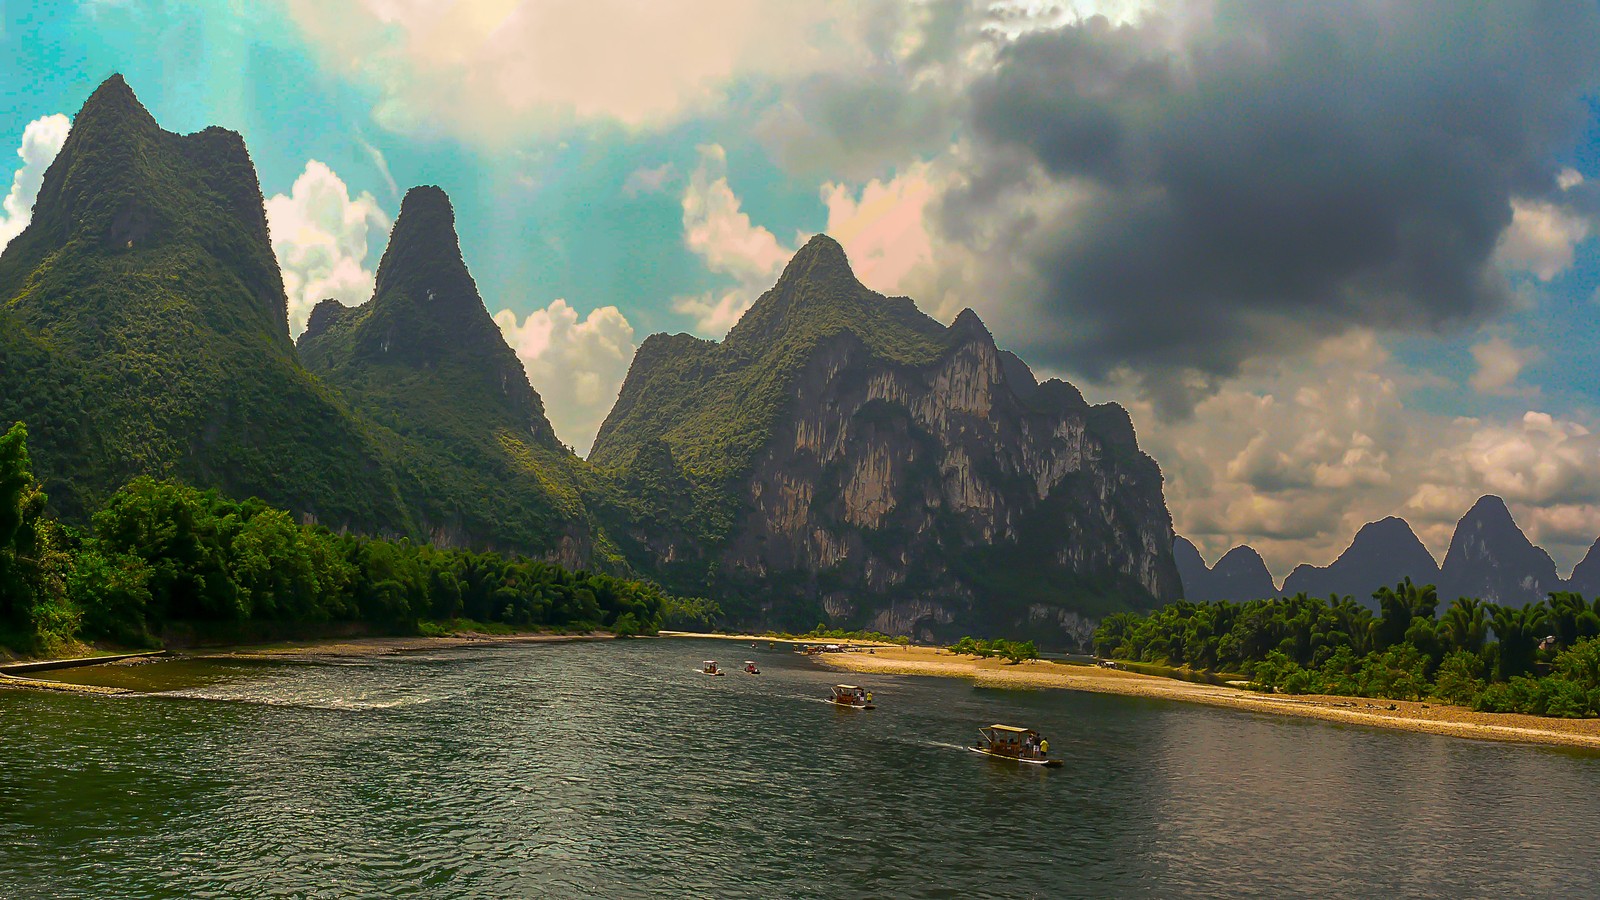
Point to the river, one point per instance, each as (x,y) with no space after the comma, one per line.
(617,770)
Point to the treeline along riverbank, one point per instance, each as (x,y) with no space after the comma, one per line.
(1541,659)
(162,555)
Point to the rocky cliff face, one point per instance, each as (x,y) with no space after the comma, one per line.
(1586,574)
(1382,554)
(911,479)
(1241,574)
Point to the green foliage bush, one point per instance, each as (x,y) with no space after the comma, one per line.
(1011,651)
(160,553)
(1302,645)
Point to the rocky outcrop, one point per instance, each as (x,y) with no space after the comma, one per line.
(1491,559)
(1585,578)
(1241,574)
(1382,554)
(915,479)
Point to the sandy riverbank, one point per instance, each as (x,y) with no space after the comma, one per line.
(1428,718)
(759,638)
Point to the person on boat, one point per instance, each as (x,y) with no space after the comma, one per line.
(1044,747)
(869,696)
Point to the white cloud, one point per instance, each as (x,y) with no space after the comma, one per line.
(494,70)
(381,164)
(1499,364)
(716,229)
(883,228)
(321,235)
(645,180)
(1543,233)
(577,366)
(1294,456)
(41,141)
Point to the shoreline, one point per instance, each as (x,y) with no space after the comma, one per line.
(386,646)
(1406,715)
(314,648)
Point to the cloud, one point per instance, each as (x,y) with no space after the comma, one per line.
(1294,456)
(1499,364)
(381,164)
(41,141)
(882,227)
(1221,183)
(496,70)
(321,236)
(644,180)
(1543,233)
(577,366)
(716,229)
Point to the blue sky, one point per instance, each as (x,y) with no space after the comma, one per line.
(1329,286)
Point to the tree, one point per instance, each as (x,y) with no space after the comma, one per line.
(1465,625)
(1518,629)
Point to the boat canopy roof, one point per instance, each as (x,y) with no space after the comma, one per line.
(1011,728)
(709,662)
(846,687)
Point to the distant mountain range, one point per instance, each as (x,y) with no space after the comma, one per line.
(839,457)
(1489,558)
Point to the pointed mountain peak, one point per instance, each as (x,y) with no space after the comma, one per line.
(1386,530)
(821,251)
(1489,508)
(113,101)
(424,255)
(967,326)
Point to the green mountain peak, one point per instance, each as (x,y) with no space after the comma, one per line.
(148,319)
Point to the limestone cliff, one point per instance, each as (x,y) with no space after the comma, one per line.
(903,476)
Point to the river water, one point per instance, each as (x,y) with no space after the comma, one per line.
(617,770)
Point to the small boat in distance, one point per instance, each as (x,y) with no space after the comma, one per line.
(750,667)
(1022,745)
(709,667)
(851,696)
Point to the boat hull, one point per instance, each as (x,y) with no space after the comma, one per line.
(853,705)
(1045,763)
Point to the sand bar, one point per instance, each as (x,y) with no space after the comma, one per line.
(1428,718)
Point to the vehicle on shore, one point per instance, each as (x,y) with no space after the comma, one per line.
(709,667)
(852,696)
(1021,745)
(750,667)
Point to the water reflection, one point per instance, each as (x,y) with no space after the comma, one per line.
(618,770)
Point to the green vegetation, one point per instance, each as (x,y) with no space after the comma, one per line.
(475,456)
(1011,651)
(1544,658)
(143,332)
(160,554)
(823,632)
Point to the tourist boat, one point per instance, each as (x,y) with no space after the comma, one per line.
(1021,745)
(750,667)
(709,667)
(851,696)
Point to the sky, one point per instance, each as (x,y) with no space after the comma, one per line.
(1339,260)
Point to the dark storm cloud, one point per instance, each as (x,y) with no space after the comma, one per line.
(857,123)
(1271,174)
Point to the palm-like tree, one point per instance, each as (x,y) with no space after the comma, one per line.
(1518,630)
(1465,625)
(1566,610)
